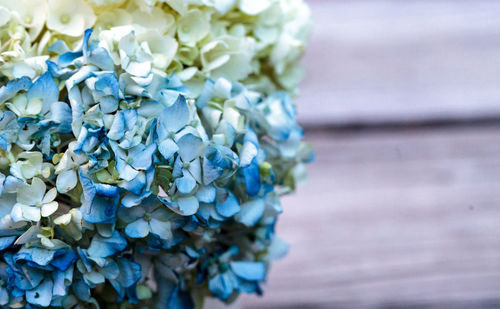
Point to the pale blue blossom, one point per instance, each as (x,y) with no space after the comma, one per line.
(170,122)
(151,217)
(117,175)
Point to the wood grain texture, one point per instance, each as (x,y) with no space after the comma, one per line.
(393,219)
(386,61)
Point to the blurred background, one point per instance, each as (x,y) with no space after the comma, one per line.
(402,207)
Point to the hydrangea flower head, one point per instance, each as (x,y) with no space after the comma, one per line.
(142,162)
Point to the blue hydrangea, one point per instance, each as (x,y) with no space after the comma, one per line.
(118,186)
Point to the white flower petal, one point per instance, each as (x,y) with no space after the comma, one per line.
(70,17)
(49,208)
(66,181)
(4,16)
(50,196)
(193,27)
(254,7)
(30,213)
(31,194)
(63,220)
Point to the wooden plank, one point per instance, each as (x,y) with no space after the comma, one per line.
(399,218)
(401,61)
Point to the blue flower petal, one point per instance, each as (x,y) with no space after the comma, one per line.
(82,74)
(222,285)
(57,72)
(5,242)
(160,228)
(61,113)
(251,212)
(111,270)
(45,88)
(64,258)
(227,205)
(169,296)
(41,295)
(81,290)
(136,185)
(125,171)
(107,84)
(38,256)
(206,94)
(188,205)
(249,287)
(117,129)
(100,57)
(89,139)
(185,206)
(252,271)
(101,247)
(77,109)
(60,279)
(210,171)
(22,283)
(142,156)
(190,147)
(168,148)
(130,199)
(206,194)
(130,116)
(173,118)
(59,47)
(13,87)
(278,248)
(108,104)
(130,272)
(248,153)
(100,201)
(2,181)
(186,183)
(251,175)
(195,170)
(137,229)
(67,58)
(86,39)
(280,116)
(8,129)
(168,97)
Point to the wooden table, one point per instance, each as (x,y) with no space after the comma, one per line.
(391,219)
(402,207)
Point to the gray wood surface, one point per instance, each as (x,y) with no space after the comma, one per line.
(404,217)
(385,61)
(393,219)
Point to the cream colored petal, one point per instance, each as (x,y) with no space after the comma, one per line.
(49,208)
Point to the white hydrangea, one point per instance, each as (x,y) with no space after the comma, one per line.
(105,4)
(256,42)
(70,17)
(4,15)
(31,14)
(229,57)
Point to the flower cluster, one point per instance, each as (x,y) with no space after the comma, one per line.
(258,43)
(118,184)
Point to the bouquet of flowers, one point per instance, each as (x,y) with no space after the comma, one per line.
(144,148)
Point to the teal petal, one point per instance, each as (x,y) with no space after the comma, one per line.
(252,271)
(137,229)
(101,247)
(41,295)
(173,118)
